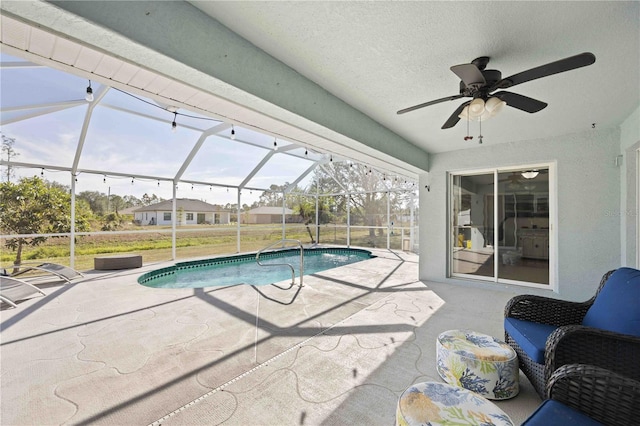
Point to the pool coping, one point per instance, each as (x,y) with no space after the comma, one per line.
(172,270)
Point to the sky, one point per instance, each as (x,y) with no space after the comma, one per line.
(131,144)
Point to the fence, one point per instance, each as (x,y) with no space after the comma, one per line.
(158,245)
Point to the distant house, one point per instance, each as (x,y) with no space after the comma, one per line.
(266,215)
(128,210)
(188,212)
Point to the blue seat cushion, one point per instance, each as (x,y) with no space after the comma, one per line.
(617,306)
(530,336)
(552,413)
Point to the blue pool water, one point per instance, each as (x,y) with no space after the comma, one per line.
(243,269)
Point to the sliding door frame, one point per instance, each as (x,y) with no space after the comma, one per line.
(637,212)
(553,220)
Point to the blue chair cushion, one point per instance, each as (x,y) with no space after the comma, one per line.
(552,413)
(617,306)
(530,336)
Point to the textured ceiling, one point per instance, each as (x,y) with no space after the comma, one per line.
(380,57)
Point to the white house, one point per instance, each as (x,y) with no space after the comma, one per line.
(266,215)
(188,212)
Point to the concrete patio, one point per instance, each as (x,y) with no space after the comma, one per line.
(106,350)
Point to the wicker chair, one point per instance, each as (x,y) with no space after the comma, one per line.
(562,338)
(579,394)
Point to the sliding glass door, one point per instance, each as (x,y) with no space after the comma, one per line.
(500,225)
(472,222)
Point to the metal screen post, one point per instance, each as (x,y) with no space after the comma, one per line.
(238,224)
(317,216)
(348,220)
(284,208)
(388,221)
(174,211)
(412,209)
(72,243)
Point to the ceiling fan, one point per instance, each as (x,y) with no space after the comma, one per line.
(479,83)
(513,178)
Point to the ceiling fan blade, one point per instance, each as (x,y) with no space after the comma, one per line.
(437,101)
(566,64)
(453,120)
(521,102)
(469,74)
(505,180)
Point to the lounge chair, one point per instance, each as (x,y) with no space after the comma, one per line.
(61,271)
(14,289)
(579,394)
(604,331)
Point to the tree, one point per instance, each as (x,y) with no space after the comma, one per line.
(365,191)
(33,206)
(9,152)
(272,198)
(147,199)
(306,210)
(98,201)
(131,201)
(112,221)
(116,203)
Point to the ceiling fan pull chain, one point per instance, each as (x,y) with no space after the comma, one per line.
(480,136)
(468,137)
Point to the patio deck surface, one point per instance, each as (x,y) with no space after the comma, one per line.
(106,350)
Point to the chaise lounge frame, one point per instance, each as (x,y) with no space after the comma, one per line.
(14,289)
(63,272)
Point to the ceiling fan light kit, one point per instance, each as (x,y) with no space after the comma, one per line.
(480,110)
(480,84)
(530,174)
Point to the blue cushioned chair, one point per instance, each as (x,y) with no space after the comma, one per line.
(585,395)
(604,331)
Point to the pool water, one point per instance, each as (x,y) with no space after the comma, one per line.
(243,269)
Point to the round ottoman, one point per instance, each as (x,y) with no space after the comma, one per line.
(437,403)
(478,362)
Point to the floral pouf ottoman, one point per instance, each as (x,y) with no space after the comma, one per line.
(478,362)
(434,403)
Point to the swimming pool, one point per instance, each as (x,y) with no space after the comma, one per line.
(243,269)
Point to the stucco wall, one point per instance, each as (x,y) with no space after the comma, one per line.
(224,218)
(629,145)
(158,217)
(588,197)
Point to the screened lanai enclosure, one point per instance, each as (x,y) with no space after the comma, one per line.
(95,167)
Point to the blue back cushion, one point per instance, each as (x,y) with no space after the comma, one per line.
(530,336)
(552,413)
(617,307)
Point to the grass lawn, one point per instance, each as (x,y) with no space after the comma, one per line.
(191,242)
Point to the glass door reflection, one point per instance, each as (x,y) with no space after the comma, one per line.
(523,225)
(473,227)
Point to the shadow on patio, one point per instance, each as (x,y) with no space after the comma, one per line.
(107,350)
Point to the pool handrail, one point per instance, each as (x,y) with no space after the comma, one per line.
(293,272)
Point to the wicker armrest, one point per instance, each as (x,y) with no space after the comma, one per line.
(585,345)
(546,310)
(601,394)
